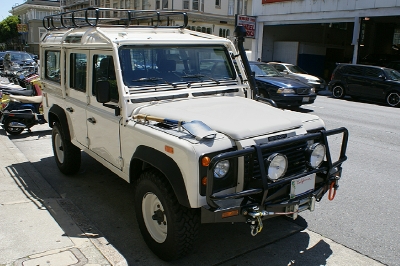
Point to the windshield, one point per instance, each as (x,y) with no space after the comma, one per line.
(392,74)
(296,69)
(20,57)
(153,65)
(264,70)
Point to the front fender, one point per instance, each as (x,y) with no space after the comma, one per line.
(165,165)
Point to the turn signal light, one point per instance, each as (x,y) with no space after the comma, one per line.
(230,213)
(169,149)
(205,161)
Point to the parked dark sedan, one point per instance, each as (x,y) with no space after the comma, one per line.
(17,61)
(284,91)
(365,81)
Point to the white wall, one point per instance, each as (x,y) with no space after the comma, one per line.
(301,11)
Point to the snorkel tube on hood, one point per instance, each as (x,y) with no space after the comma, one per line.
(240,34)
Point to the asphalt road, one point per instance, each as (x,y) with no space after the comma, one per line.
(363,216)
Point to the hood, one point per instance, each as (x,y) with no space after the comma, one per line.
(282,82)
(237,117)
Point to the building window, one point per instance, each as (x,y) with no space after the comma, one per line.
(158,4)
(195,5)
(145,5)
(218,3)
(165,4)
(185,4)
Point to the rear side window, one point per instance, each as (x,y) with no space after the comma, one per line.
(353,70)
(78,71)
(373,72)
(52,66)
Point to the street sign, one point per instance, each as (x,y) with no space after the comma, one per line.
(249,23)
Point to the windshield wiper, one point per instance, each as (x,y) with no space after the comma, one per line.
(154,79)
(200,76)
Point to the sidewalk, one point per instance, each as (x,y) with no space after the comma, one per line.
(36,225)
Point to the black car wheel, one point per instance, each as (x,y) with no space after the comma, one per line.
(168,228)
(393,99)
(67,155)
(338,91)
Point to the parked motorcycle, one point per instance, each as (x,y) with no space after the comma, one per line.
(21,112)
(22,108)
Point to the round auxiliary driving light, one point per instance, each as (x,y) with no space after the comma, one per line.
(221,169)
(276,166)
(317,154)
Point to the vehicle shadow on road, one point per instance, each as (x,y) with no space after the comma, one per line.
(33,134)
(101,204)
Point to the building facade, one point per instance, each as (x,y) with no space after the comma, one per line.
(31,14)
(317,34)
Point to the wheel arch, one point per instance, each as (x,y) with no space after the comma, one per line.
(146,157)
(57,114)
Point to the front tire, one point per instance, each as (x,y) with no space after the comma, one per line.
(168,228)
(393,99)
(67,155)
(12,130)
(338,92)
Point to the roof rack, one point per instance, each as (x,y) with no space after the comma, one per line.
(94,16)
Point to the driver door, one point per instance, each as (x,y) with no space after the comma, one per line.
(102,123)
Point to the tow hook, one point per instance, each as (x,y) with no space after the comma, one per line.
(332,189)
(256,224)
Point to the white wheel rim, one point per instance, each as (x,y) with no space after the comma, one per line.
(150,205)
(59,148)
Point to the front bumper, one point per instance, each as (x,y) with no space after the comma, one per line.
(272,198)
(293,100)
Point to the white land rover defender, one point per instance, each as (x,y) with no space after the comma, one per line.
(176,113)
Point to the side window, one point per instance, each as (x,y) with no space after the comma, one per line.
(52,66)
(353,70)
(78,71)
(279,68)
(373,72)
(103,66)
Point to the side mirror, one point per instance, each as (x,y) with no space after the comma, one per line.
(381,76)
(103,91)
(285,72)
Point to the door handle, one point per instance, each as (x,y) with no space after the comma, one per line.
(91,120)
(70,109)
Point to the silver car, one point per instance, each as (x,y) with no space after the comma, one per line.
(296,72)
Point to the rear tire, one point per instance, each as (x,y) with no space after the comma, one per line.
(393,99)
(168,228)
(338,92)
(12,130)
(67,155)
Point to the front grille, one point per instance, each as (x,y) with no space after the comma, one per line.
(303,91)
(294,153)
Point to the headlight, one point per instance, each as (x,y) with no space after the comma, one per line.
(276,166)
(312,90)
(221,169)
(317,153)
(285,90)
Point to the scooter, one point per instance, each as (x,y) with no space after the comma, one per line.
(21,112)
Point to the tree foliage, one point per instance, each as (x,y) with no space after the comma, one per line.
(8,29)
